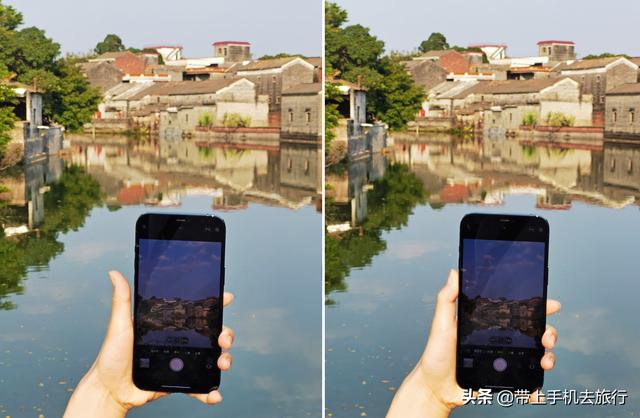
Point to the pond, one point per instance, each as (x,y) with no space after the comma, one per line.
(393,235)
(72,219)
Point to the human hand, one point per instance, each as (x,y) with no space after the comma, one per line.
(433,380)
(107,390)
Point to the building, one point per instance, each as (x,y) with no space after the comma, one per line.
(492,51)
(512,100)
(622,114)
(447,98)
(167,52)
(426,73)
(302,112)
(126,61)
(557,50)
(272,76)
(598,76)
(451,60)
(622,166)
(232,51)
(102,75)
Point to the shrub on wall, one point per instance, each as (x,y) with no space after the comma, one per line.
(205,120)
(559,119)
(530,119)
(236,120)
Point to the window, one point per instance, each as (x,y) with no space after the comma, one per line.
(277,99)
(629,166)
(510,117)
(289,165)
(614,115)
(307,116)
(632,116)
(186,118)
(612,165)
(273,79)
(225,51)
(306,166)
(601,99)
(290,116)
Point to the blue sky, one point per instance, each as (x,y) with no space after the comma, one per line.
(286,25)
(179,269)
(595,26)
(513,269)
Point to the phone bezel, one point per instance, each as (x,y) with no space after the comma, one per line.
(508,228)
(180,227)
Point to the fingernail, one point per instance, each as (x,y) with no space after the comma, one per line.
(229,340)
(555,339)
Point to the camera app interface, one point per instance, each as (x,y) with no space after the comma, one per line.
(178,291)
(502,294)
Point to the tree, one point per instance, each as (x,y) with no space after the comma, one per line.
(111,43)
(435,42)
(279,55)
(7,117)
(10,18)
(72,101)
(352,53)
(604,55)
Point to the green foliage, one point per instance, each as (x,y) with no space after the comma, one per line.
(559,119)
(279,55)
(530,119)
(10,18)
(351,53)
(236,120)
(435,42)
(67,205)
(389,204)
(111,43)
(334,15)
(35,59)
(71,100)
(205,120)
(7,117)
(331,114)
(604,55)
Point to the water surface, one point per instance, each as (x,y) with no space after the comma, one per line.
(384,272)
(80,213)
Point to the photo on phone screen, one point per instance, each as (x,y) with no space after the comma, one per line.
(178,302)
(502,301)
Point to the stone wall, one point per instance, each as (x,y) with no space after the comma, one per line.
(622,115)
(622,165)
(301,115)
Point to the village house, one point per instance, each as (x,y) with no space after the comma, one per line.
(302,112)
(187,105)
(167,52)
(102,75)
(598,76)
(622,114)
(512,100)
(621,166)
(447,98)
(126,61)
(451,60)
(426,73)
(232,51)
(272,76)
(557,50)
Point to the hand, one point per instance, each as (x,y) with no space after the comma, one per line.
(432,383)
(107,390)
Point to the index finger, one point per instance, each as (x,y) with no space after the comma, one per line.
(553,306)
(227,298)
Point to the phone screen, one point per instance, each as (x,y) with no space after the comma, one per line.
(502,302)
(178,302)
(178,285)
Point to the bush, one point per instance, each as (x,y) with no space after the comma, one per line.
(530,119)
(205,120)
(559,119)
(236,120)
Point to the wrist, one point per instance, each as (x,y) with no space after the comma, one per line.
(416,398)
(92,398)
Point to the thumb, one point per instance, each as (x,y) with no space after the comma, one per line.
(120,304)
(445,312)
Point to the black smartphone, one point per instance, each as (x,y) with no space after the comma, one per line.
(503,270)
(179,285)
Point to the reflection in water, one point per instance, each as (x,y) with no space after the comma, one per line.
(367,197)
(42,200)
(377,328)
(55,250)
